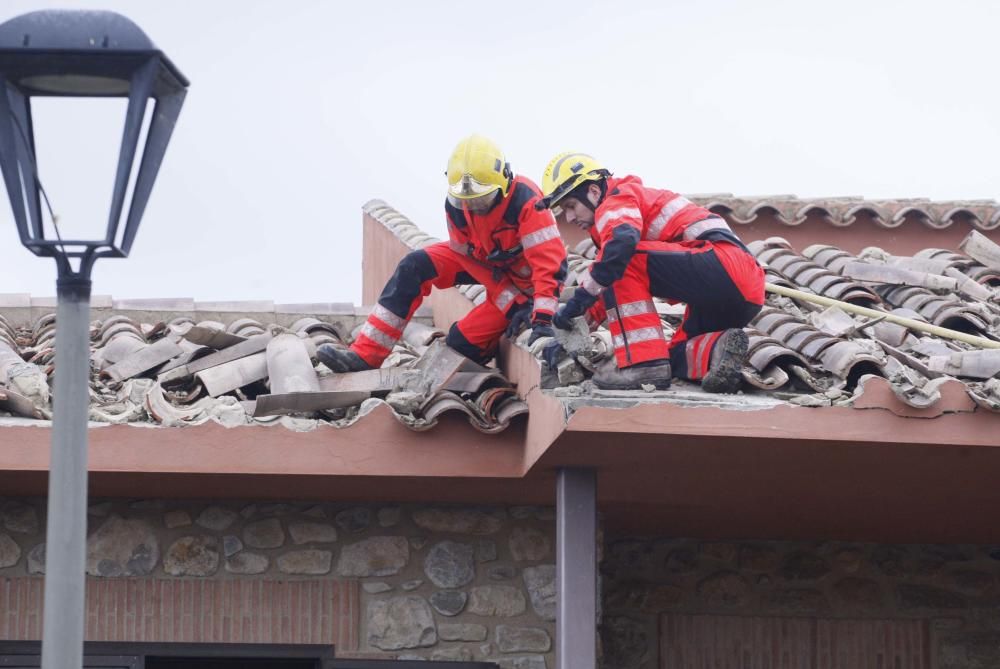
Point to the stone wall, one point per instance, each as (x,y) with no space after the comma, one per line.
(956,588)
(450,583)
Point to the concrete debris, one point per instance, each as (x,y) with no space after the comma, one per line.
(979,247)
(973,364)
(897,276)
(181,373)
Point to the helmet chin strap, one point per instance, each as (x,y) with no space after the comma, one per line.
(580,193)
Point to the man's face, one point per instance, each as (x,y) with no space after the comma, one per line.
(577,213)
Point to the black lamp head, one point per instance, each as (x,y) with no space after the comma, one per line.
(83,54)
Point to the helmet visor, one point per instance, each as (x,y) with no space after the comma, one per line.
(477,205)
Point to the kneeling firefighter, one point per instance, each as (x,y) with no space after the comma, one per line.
(655,242)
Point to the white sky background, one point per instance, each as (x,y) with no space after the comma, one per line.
(301,111)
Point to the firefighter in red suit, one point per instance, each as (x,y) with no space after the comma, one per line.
(498,238)
(655,242)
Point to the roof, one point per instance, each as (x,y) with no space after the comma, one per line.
(178,371)
(983,215)
(681,462)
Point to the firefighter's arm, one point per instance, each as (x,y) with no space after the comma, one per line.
(619,224)
(546,254)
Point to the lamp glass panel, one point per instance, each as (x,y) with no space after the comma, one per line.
(77,142)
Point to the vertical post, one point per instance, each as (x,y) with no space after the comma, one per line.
(576,569)
(66,528)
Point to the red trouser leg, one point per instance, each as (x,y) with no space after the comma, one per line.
(636,330)
(476,335)
(722,285)
(418,272)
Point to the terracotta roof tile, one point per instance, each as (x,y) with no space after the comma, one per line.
(792,210)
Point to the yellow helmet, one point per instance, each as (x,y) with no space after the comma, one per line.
(477,170)
(567,171)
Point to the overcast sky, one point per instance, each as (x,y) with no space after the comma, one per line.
(301,111)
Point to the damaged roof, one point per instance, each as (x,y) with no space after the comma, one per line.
(183,370)
(247,372)
(808,355)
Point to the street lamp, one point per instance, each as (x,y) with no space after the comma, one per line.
(77,54)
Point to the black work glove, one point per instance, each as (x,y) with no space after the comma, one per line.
(553,353)
(520,316)
(540,329)
(576,307)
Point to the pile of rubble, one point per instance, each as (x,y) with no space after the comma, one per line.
(181,372)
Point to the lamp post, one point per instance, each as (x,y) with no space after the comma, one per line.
(77,54)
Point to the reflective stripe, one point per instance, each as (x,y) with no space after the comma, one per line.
(698,228)
(702,361)
(382,339)
(615,214)
(523,271)
(546,303)
(636,308)
(389,318)
(669,210)
(613,315)
(458,248)
(588,283)
(539,236)
(640,335)
(504,299)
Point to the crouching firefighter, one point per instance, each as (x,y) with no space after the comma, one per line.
(497,238)
(656,243)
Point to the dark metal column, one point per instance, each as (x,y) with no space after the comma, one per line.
(576,569)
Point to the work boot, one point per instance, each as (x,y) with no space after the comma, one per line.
(725,369)
(341,360)
(654,372)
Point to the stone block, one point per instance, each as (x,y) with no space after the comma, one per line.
(377,556)
(10,552)
(36,560)
(309,561)
(307,533)
(724,588)
(401,622)
(247,563)
(541,584)
(388,516)
(264,534)
(503,601)
(354,520)
(459,521)
(528,544)
(457,654)
(217,518)
(175,519)
(450,564)
(802,566)
(19,517)
(449,602)
(461,632)
(192,556)
(522,639)
(122,547)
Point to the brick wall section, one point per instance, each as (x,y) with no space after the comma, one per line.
(196,611)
